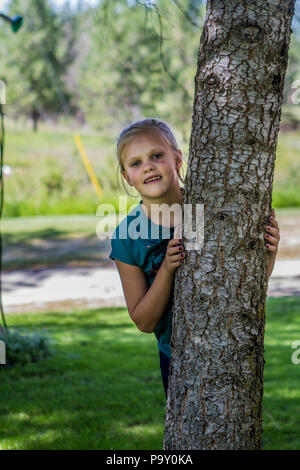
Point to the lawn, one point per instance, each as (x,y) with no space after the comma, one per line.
(102,388)
(47,241)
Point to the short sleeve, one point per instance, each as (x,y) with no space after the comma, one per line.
(120,251)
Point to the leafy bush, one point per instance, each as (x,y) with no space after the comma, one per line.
(25,348)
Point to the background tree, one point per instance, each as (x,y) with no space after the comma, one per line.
(143,70)
(216,377)
(93,66)
(38,59)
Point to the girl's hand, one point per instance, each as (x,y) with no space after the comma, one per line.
(272,236)
(174,255)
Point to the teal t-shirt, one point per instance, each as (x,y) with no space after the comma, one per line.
(140,242)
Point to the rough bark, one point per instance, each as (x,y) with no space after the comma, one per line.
(216,375)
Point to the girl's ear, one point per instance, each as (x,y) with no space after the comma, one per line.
(124,174)
(178,160)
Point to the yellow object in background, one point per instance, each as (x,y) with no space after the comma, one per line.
(88,165)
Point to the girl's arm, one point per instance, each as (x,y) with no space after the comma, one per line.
(146,306)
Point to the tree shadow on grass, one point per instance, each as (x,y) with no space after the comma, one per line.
(45,248)
(86,397)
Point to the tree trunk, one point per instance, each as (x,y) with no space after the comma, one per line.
(216,375)
(35,118)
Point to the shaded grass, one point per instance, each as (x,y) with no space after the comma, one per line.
(47,241)
(103,390)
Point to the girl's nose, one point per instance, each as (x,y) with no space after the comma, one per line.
(148,166)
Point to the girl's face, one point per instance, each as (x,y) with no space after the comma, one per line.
(147,155)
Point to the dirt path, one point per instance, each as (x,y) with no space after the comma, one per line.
(86,287)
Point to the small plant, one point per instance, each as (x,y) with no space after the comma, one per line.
(25,348)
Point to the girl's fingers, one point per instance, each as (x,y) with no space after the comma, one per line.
(175,249)
(177,262)
(271,247)
(273,221)
(274,231)
(175,241)
(176,256)
(272,240)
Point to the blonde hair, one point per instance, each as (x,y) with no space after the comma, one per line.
(138,127)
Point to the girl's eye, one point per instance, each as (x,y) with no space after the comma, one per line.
(156,155)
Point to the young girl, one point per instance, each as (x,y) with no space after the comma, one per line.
(150,161)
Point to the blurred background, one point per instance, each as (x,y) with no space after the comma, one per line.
(87,69)
(91,67)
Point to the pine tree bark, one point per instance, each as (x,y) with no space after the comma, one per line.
(216,374)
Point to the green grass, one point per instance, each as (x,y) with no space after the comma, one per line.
(281,392)
(287,170)
(49,226)
(48,175)
(102,389)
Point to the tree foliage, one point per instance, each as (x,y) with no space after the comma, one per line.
(110,64)
(37,60)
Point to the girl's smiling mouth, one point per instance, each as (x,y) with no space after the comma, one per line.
(152,179)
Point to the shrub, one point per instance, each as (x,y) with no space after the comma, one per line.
(25,348)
